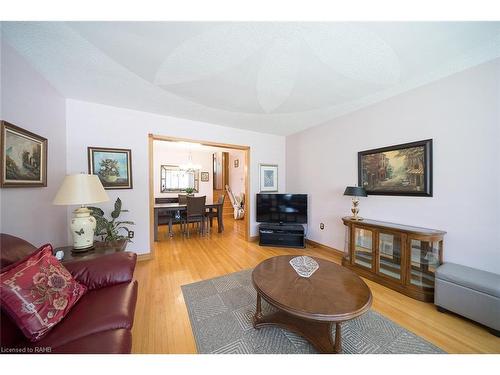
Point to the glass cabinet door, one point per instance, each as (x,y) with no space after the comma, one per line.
(389,255)
(424,261)
(363,247)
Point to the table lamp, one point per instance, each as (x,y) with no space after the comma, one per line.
(81,189)
(355,192)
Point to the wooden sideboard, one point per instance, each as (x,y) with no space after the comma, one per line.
(400,257)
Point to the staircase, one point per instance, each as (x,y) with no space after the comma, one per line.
(227,208)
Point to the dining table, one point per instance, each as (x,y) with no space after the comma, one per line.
(171,209)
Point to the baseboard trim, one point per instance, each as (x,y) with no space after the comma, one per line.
(253,239)
(142,257)
(325,247)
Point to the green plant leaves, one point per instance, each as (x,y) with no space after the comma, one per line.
(109,229)
(118,208)
(101,224)
(124,222)
(96,211)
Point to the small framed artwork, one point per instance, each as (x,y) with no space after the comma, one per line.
(236,163)
(204,176)
(404,169)
(268,177)
(113,166)
(23,158)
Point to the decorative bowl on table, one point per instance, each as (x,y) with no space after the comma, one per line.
(304,266)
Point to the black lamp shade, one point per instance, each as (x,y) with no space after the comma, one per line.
(355,191)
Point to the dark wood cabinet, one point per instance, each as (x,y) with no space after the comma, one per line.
(400,257)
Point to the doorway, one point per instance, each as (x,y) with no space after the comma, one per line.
(220,172)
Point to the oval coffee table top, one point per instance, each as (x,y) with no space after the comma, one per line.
(333,293)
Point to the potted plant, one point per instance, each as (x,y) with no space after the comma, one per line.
(109,229)
(109,170)
(189,191)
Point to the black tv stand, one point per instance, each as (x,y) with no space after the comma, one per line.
(283,235)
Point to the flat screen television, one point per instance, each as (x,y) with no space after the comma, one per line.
(282,208)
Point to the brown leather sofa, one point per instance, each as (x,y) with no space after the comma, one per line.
(101,322)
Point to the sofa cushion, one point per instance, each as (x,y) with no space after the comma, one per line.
(38,292)
(104,271)
(482,281)
(117,341)
(13,249)
(99,310)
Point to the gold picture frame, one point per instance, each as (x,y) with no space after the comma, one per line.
(23,157)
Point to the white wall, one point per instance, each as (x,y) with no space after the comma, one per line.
(165,154)
(31,103)
(461,114)
(237,174)
(90,124)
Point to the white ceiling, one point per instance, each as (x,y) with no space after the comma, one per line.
(275,78)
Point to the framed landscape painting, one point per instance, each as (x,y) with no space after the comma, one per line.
(268,177)
(113,166)
(23,158)
(404,169)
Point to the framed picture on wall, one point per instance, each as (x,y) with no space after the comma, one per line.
(205,176)
(404,169)
(23,158)
(113,166)
(268,177)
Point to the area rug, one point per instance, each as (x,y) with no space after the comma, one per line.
(221,311)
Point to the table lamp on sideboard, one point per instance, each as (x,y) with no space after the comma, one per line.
(81,189)
(355,192)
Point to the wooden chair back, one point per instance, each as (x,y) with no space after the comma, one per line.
(196,206)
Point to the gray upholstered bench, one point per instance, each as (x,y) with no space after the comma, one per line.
(469,292)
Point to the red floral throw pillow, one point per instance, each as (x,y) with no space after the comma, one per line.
(38,292)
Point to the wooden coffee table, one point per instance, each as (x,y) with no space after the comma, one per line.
(310,306)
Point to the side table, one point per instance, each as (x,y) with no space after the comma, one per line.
(100,248)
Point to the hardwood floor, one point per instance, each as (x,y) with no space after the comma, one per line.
(161,319)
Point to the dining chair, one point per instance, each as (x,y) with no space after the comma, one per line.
(195,212)
(181,215)
(210,213)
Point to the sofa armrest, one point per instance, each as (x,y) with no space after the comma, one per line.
(106,270)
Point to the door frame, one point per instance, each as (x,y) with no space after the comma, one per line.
(246,165)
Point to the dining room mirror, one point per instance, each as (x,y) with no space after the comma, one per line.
(174,179)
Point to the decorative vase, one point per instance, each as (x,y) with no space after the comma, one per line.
(83,229)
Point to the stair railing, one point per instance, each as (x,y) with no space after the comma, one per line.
(237,202)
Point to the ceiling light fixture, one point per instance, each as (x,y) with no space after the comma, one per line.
(190,166)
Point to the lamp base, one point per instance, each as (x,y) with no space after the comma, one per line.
(355,209)
(83,250)
(82,228)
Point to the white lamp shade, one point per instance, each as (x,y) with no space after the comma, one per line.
(80,189)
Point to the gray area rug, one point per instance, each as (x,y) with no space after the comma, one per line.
(221,311)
